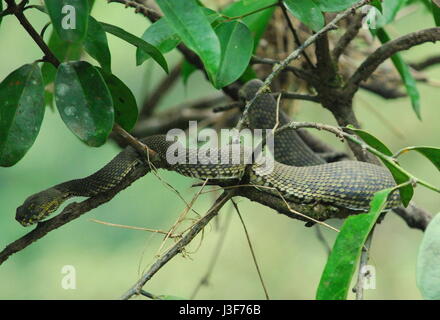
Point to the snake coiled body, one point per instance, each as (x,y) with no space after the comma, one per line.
(298,174)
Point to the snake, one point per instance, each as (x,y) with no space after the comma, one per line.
(298,174)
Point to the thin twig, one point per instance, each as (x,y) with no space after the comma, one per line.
(252,249)
(179,246)
(359,288)
(294,33)
(132,227)
(215,255)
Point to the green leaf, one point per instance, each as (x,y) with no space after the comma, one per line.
(341,264)
(256,22)
(237,45)
(160,35)
(1,9)
(190,23)
(428,261)
(432,153)
(64,51)
(96,44)
(436,11)
(164,38)
(389,12)
(335,5)
(371,140)
(187,70)
(84,102)
(246,7)
(405,74)
(406,192)
(307,11)
(377,4)
(69,18)
(137,42)
(124,102)
(21,112)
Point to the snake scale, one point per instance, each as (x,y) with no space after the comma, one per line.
(298,174)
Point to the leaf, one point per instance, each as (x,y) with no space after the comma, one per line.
(371,140)
(164,38)
(335,5)
(137,42)
(389,12)
(377,4)
(160,35)
(341,264)
(96,44)
(64,51)
(84,102)
(405,74)
(237,45)
(246,7)
(406,192)
(69,18)
(1,9)
(187,70)
(436,11)
(428,261)
(256,22)
(307,11)
(190,23)
(124,102)
(21,112)
(433,154)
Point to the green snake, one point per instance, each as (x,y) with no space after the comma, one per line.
(299,175)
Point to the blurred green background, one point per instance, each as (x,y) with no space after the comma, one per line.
(109,260)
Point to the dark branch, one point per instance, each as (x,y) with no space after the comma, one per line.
(424,64)
(354,25)
(386,51)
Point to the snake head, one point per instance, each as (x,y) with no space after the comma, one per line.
(38,206)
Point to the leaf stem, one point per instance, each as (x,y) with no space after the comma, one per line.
(252,12)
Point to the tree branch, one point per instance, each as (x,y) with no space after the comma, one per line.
(17,10)
(386,51)
(426,63)
(351,33)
